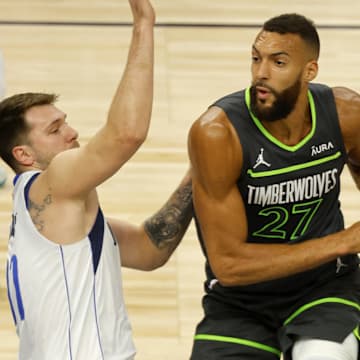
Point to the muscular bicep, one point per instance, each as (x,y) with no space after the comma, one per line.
(215,156)
(222,220)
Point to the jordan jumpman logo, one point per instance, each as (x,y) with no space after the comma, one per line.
(260,160)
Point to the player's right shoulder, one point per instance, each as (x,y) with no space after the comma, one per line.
(213,142)
(214,152)
(212,125)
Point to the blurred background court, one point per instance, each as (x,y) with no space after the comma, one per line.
(78,48)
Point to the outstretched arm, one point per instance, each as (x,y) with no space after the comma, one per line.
(150,245)
(216,159)
(127,121)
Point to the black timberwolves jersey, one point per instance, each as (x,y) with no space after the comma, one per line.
(290,192)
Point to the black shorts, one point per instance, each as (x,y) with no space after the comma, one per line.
(330,311)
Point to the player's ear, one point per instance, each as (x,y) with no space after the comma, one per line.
(23,155)
(311,70)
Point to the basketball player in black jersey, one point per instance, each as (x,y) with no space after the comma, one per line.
(282,272)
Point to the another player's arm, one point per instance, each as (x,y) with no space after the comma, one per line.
(348,105)
(150,245)
(216,158)
(127,121)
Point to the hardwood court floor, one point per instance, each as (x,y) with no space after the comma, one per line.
(194,66)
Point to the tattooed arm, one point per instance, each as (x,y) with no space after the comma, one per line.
(36,212)
(149,246)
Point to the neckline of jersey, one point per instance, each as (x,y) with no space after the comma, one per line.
(277,142)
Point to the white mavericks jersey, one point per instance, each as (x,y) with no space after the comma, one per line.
(66,300)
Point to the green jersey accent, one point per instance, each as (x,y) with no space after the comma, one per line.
(290,193)
(293,167)
(274,140)
(278,175)
(319,302)
(243,342)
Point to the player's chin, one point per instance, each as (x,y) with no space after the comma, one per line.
(265,104)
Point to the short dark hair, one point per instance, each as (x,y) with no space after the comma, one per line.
(13,127)
(295,24)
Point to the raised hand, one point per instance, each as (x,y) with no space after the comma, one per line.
(142,11)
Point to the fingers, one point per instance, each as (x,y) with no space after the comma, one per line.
(142,11)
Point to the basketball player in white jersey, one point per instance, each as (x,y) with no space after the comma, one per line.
(64,258)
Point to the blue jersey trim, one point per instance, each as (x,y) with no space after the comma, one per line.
(96,237)
(8,292)
(14,268)
(27,189)
(15,179)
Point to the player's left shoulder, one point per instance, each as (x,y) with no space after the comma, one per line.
(346,97)
(348,109)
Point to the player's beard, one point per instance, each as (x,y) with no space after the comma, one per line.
(282,106)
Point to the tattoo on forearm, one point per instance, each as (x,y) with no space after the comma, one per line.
(168,225)
(36,210)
